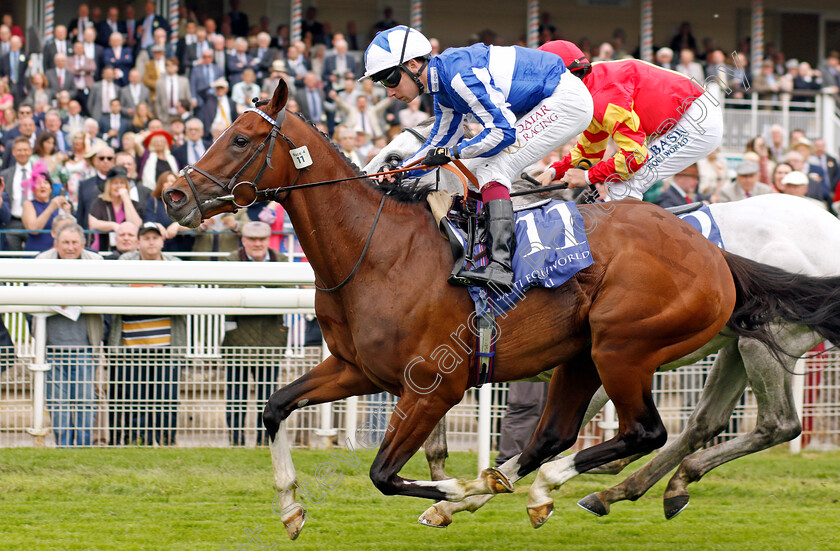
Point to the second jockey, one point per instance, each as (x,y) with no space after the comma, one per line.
(662,122)
(526,102)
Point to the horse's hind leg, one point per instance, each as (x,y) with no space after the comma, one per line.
(436,451)
(777,421)
(724,386)
(331,380)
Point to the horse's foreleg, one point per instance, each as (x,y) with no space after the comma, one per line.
(436,451)
(724,386)
(331,380)
(440,514)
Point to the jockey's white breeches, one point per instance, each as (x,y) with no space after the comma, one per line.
(698,132)
(554,121)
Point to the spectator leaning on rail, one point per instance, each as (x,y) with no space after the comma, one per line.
(250,333)
(146,372)
(526,101)
(661,121)
(70,338)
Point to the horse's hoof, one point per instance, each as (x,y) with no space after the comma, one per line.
(540,514)
(497,482)
(675,505)
(594,505)
(434,518)
(295,524)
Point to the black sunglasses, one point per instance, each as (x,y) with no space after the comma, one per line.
(389,78)
(105,158)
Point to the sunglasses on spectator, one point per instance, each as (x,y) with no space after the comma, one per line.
(389,78)
(105,158)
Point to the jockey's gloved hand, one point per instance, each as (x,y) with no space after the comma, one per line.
(438,156)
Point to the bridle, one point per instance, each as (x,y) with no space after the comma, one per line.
(245,193)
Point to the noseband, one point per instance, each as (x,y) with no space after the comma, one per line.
(244,193)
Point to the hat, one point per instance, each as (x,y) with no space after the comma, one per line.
(747,168)
(796,178)
(278,65)
(220,83)
(149,226)
(163,133)
(156,48)
(690,170)
(256,230)
(803,142)
(117,172)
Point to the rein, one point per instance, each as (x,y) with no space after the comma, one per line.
(245,193)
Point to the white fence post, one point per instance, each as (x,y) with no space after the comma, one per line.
(39,369)
(798,400)
(609,424)
(485,398)
(350,416)
(829,117)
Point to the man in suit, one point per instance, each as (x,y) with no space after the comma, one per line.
(238,61)
(310,99)
(818,187)
(119,57)
(111,24)
(27,129)
(183,46)
(828,164)
(194,146)
(746,184)
(683,189)
(238,20)
(102,93)
(197,48)
(83,70)
(131,27)
(19,169)
(337,65)
(169,91)
(297,65)
(263,56)
(102,159)
(113,125)
(151,22)
(13,67)
(218,107)
(93,50)
(132,94)
(52,123)
(202,78)
(59,77)
(78,24)
(58,45)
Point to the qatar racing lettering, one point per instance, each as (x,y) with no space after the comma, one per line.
(529,127)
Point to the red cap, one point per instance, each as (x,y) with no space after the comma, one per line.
(571,55)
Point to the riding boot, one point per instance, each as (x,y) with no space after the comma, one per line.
(501,243)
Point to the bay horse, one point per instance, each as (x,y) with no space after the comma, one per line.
(655,292)
(780,230)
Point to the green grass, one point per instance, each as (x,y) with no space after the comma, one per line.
(146,499)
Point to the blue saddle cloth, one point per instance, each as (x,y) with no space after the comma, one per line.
(704,222)
(551,247)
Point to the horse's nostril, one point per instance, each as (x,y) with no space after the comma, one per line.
(176,196)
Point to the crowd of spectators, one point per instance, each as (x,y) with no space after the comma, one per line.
(93,130)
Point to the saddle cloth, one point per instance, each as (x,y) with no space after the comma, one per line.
(703,221)
(551,247)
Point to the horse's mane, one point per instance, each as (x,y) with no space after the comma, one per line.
(411,192)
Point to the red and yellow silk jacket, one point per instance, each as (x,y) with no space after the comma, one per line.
(633,100)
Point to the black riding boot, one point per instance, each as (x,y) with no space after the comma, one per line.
(501,244)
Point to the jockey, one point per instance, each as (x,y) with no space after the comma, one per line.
(525,100)
(662,121)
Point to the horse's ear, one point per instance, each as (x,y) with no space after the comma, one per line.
(280,97)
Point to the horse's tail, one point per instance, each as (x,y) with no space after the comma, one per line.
(765,294)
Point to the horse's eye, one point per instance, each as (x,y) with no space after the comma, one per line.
(240,141)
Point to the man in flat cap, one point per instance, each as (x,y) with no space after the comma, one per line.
(746,184)
(247,339)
